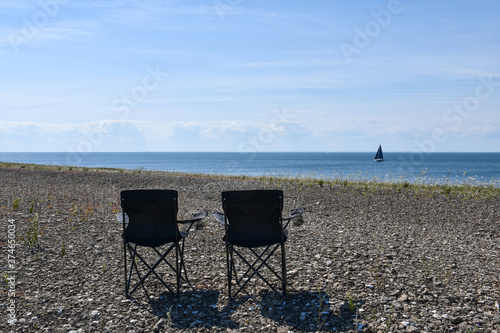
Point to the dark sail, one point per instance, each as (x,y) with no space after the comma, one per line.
(379,156)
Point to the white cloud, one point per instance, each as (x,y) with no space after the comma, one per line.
(112,134)
(17,127)
(128,135)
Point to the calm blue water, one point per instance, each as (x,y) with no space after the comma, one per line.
(413,167)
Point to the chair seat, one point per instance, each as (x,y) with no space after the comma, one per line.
(256,242)
(154,242)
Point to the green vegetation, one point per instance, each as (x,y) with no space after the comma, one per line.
(63,250)
(15,203)
(32,236)
(322,308)
(6,280)
(32,207)
(470,189)
(350,304)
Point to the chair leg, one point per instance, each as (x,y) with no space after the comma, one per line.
(229,263)
(177,267)
(183,265)
(151,269)
(132,266)
(255,266)
(283,269)
(233,265)
(125,266)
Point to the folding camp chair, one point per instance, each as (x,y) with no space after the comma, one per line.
(253,220)
(150,220)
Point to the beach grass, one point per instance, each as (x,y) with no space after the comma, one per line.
(471,188)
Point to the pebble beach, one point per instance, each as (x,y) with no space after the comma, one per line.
(361,259)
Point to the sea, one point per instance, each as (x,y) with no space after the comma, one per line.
(416,167)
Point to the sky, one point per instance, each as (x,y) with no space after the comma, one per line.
(249,76)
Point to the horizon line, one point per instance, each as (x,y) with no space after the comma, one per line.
(261,152)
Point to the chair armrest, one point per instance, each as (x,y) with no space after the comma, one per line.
(119,217)
(219,217)
(296,212)
(196,217)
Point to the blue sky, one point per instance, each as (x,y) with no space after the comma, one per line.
(241,75)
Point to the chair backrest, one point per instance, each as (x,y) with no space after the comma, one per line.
(152,214)
(253,216)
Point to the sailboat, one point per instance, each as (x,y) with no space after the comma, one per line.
(379,157)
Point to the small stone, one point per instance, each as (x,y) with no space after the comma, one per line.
(397,305)
(428,298)
(159,325)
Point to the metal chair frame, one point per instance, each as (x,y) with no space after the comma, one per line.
(177,243)
(260,253)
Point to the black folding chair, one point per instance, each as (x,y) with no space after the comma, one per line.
(150,220)
(253,220)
